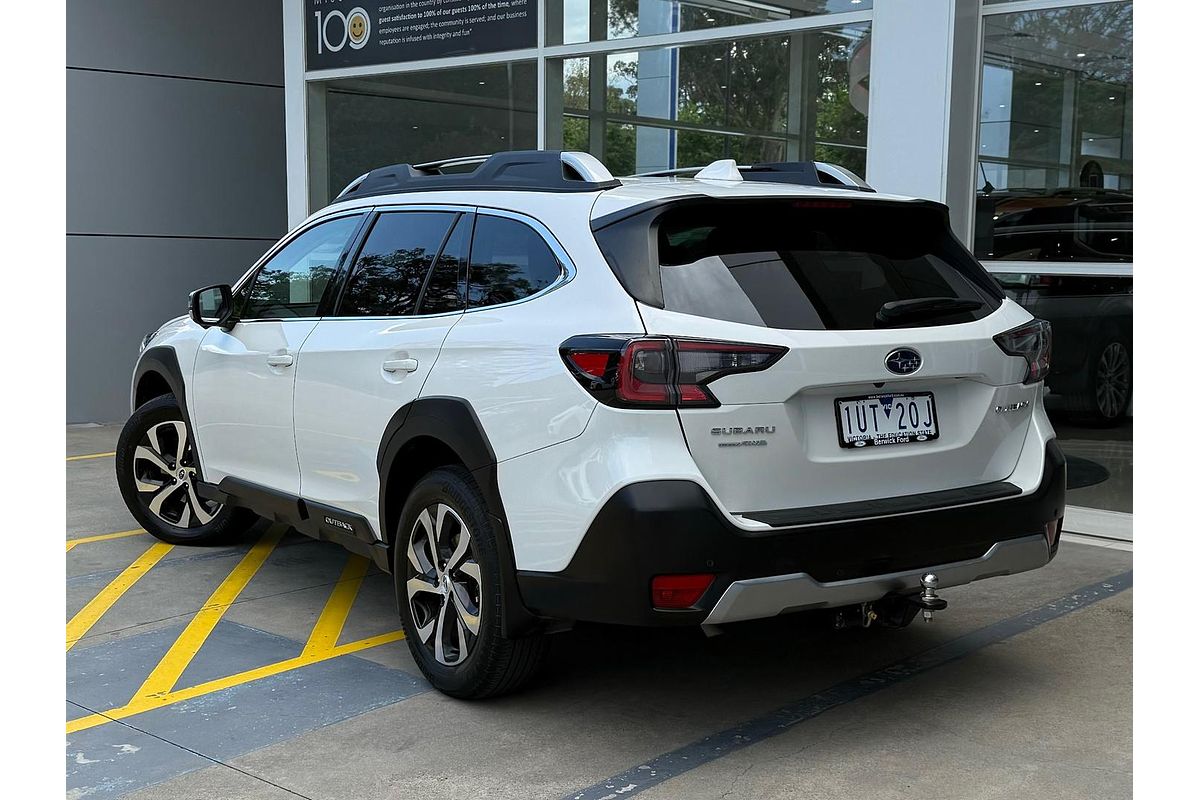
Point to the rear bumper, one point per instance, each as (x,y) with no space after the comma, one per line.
(672,526)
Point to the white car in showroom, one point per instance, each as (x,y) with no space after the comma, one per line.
(537,395)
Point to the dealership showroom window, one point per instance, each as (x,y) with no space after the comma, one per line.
(1035,143)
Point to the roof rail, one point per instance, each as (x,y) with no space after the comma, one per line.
(804,173)
(521,170)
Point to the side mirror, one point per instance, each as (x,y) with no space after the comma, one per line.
(212,305)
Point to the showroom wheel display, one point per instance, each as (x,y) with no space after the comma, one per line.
(447,571)
(157,471)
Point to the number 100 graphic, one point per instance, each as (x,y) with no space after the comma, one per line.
(355,29)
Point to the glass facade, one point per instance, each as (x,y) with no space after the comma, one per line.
(420,116)
(648,85)
(1054,218)
(575,21)
(773,98)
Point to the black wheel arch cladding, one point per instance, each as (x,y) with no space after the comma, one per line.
(452,422)
(163,362)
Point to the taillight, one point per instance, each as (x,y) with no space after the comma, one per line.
(1031,341)
(660,372)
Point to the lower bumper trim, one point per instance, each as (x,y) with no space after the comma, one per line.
(755,598)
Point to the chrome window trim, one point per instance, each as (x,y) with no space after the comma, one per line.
(566,266)
(567,269)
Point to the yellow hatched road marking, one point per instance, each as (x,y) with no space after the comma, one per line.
(90,455)
(329,625)
(143,704)
(82,622)
(71,543)
(163,678)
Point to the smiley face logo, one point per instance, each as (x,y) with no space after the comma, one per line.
(358,27)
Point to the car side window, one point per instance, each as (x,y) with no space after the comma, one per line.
(292,283)
(447,287)
(392,266)
(509,261)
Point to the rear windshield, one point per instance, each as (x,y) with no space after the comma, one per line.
(801,264)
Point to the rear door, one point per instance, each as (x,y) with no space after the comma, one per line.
(372,355)
(243,378)
(891,379)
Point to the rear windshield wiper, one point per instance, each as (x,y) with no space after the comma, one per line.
(896,312)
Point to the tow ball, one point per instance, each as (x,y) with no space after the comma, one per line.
(927,600)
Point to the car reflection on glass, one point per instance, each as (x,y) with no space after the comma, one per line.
(1092,314)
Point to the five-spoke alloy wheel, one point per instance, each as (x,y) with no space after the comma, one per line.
(444,585)
(446,563)
(164,472)
(158,473)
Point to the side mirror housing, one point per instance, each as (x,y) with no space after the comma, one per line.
(212,305)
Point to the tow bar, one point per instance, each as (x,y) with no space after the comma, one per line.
(928,601)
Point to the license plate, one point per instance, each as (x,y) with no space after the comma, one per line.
(880,419)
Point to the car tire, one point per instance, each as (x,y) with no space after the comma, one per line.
(449,594)
(157,472)
(1105,401)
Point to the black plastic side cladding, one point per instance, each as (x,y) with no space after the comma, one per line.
(161,360)
(452,422)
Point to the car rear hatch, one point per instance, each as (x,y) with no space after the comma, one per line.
(892,386)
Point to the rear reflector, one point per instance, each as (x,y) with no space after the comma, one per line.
(678,591)
(1053,531)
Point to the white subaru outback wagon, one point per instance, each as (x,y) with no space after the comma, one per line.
(536,395)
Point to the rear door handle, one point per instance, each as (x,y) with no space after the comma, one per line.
(279,361)
(400,365)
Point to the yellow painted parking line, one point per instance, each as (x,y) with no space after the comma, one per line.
(140,705)
(71,543)
(325,633)
(82,622)
(163,678)
(90,455)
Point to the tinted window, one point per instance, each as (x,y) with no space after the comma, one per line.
(509,260)
(293,282)
(391,267)
(447,287)
(814,265)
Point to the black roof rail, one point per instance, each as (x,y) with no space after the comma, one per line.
(804,173)
(521,170)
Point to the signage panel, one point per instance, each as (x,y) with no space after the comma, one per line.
(355,33)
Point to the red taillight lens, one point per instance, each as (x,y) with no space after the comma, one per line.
(594,364)
(1031,341)
(644,374)
(660,372)
(678,591)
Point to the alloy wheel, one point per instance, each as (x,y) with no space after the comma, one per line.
(164,473)
(444,585)
(1113,380)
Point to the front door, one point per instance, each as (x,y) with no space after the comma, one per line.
(371,357)
(244,378)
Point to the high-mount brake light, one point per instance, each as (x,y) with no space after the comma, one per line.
(660,372)
(1030,341)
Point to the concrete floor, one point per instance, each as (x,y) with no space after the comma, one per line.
(1022,687)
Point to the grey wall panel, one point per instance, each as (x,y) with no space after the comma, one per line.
(175,157)
(234,40)
(118,290)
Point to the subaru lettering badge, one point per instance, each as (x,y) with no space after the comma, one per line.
(903,361)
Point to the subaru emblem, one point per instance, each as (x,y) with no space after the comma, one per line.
(903,361)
